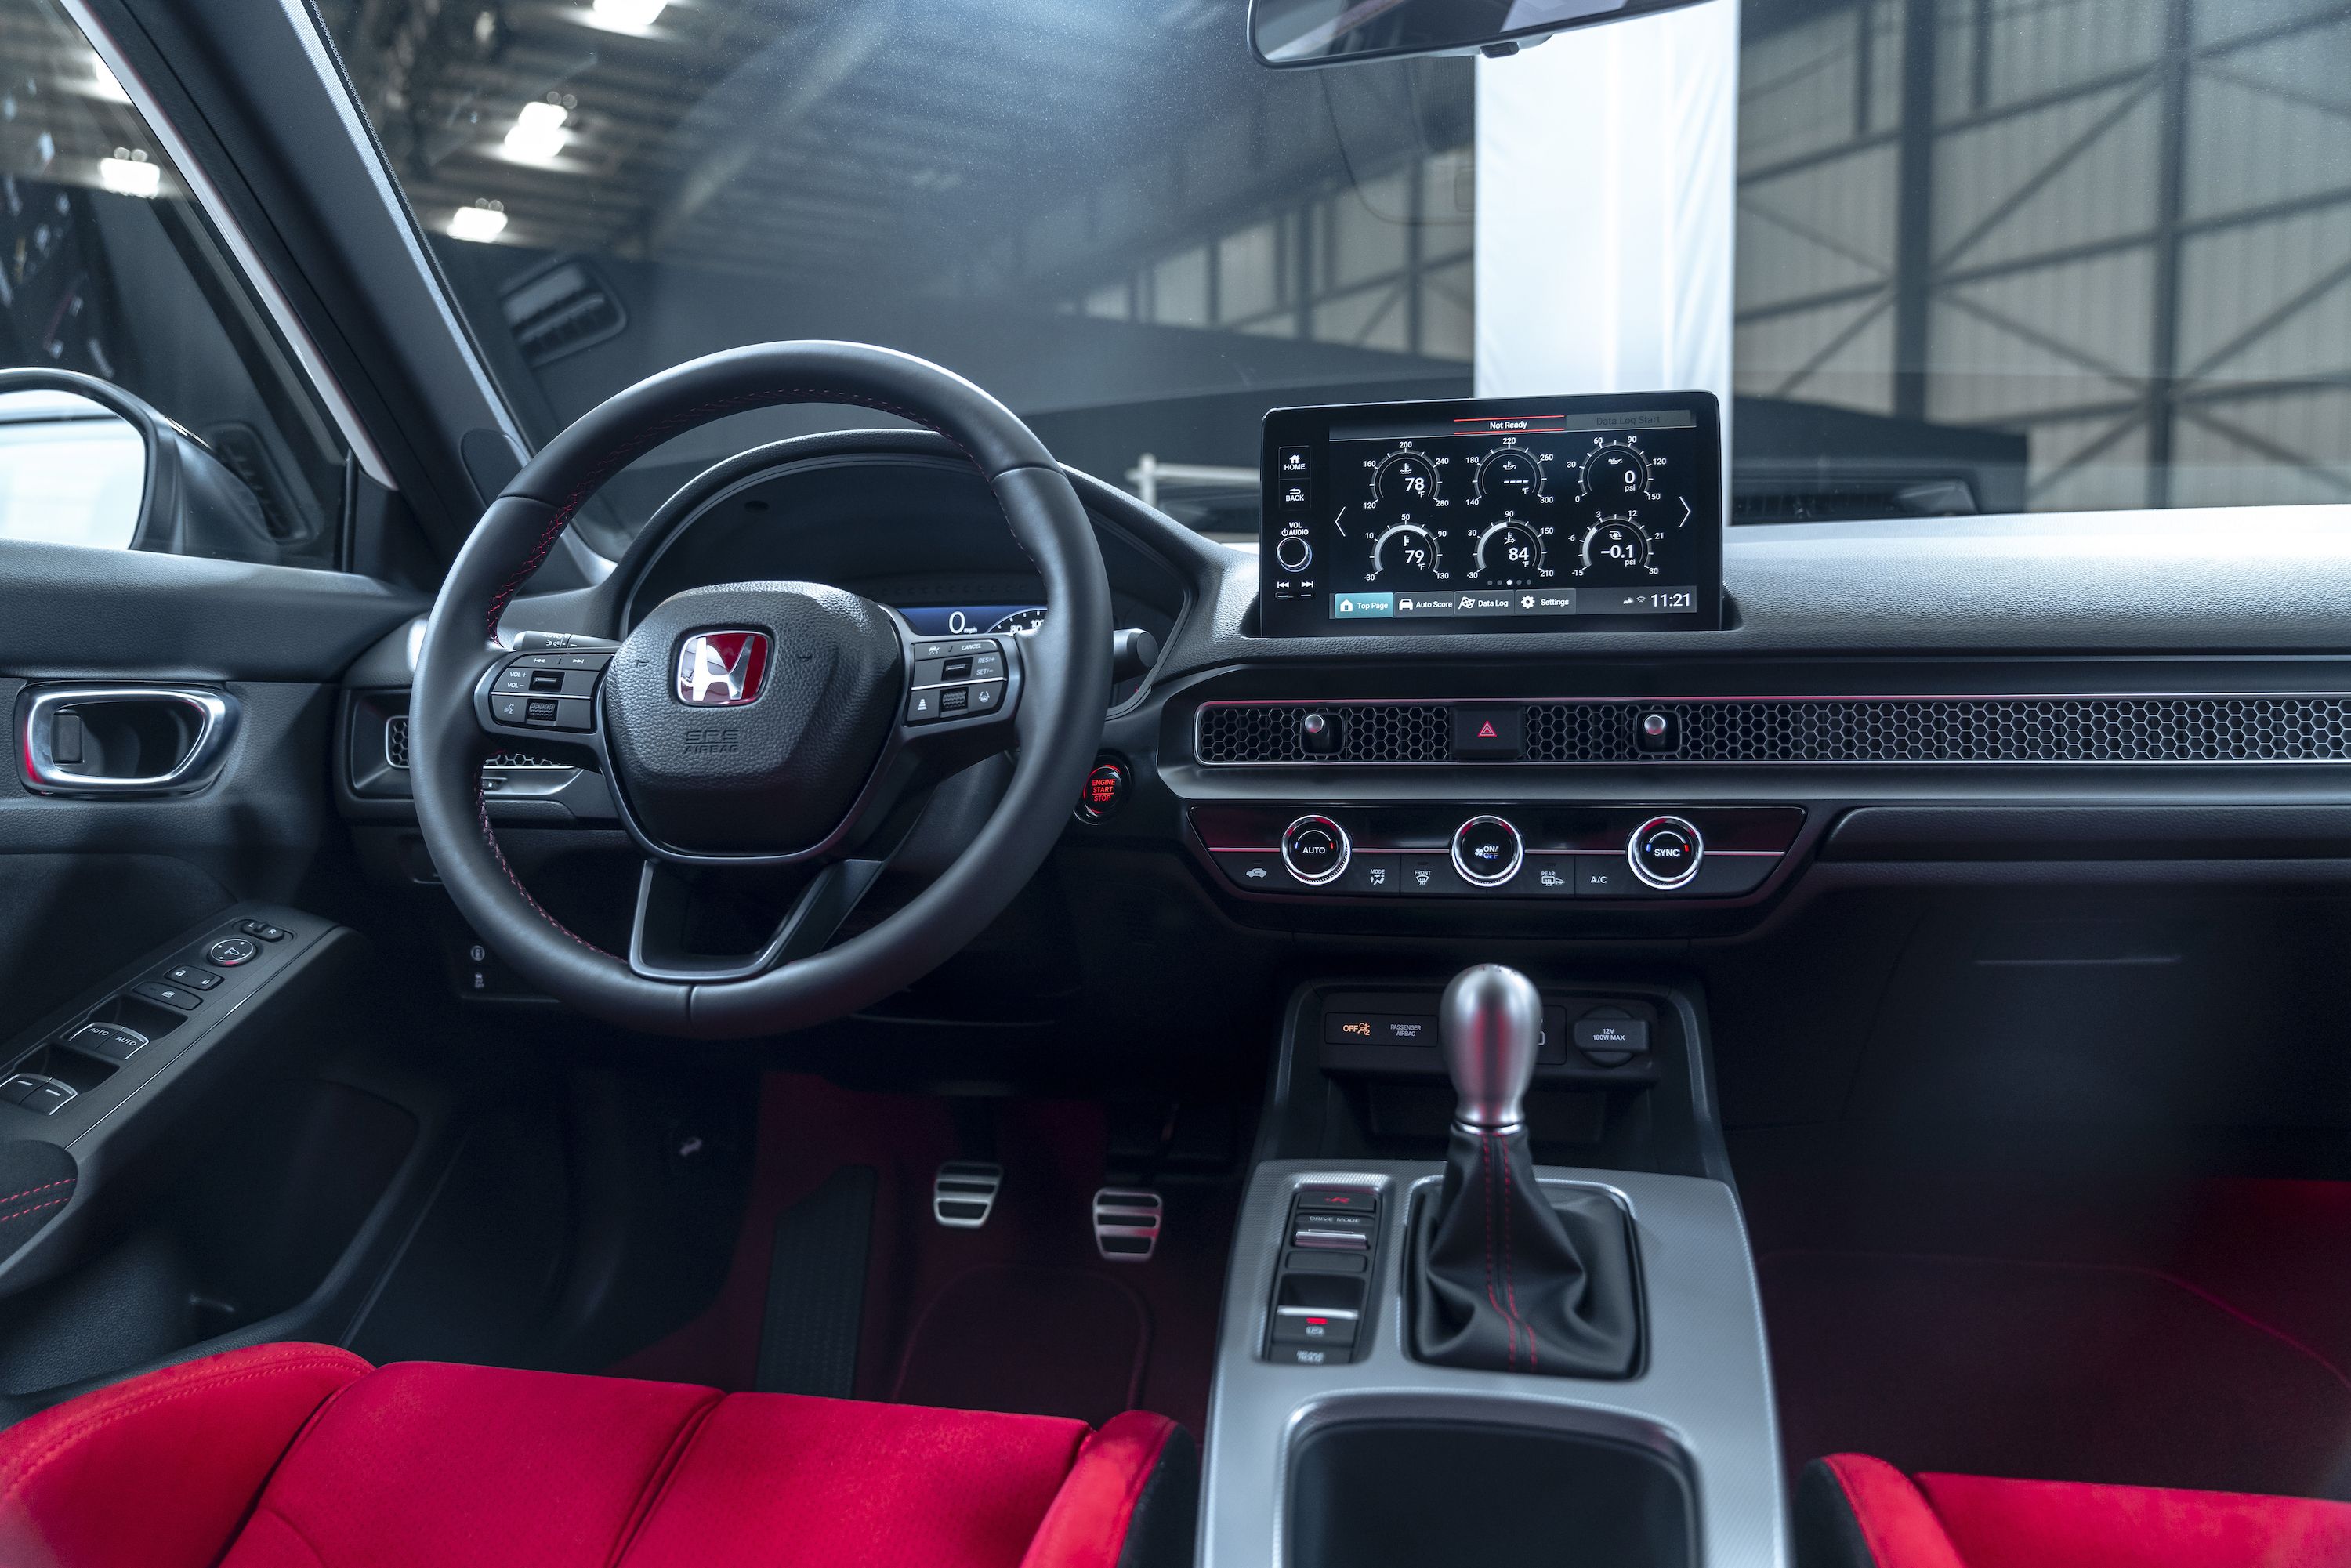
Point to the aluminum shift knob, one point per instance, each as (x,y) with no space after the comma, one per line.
(1491,1023)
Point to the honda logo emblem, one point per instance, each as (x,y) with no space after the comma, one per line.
(721,669)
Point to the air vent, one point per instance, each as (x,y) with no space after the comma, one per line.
(1909,730)
(560,312)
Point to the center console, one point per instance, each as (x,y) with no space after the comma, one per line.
(1487,1357)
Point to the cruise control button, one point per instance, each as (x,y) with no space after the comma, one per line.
(230,951)
(986,697)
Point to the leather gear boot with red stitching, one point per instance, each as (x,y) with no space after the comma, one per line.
(1505,1277)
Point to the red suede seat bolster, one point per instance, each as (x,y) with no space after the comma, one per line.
(160,1471)
(2024,1524)
(1086,1527)
(1897,1526)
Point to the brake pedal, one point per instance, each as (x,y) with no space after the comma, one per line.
(963,1194)
(1126,1224)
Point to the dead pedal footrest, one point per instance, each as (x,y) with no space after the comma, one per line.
(963,1194)
(1126,1224)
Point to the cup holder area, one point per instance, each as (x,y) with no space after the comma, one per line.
(1413,1494)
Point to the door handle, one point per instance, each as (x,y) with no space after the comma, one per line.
(122,740)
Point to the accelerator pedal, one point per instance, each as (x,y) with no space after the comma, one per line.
(1126,1224)
(963,1194)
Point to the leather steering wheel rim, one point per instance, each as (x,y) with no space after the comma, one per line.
(1060,720)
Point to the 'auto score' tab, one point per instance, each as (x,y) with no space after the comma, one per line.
(1488,601)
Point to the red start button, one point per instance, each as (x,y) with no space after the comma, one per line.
(1104,793)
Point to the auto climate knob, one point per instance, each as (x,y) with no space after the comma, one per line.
(1315,848)
(1666,851)
(1487,850)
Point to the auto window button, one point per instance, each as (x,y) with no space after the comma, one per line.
(109,1040)
(42,1096)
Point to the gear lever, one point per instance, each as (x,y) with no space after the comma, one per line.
(1491,1022)
(1503,1276)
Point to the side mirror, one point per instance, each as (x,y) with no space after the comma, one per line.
(84,462)
(1291,33)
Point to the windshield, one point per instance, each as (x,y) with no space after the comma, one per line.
(1991,255)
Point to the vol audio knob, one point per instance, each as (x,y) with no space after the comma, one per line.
(1293,553)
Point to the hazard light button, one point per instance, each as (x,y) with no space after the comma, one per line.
(1487,732)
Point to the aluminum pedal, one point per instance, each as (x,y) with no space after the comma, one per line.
(963,1194)
(1126,1224)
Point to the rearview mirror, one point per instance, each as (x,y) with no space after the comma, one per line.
(1288,33)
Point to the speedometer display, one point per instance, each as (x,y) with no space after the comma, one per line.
(962,620)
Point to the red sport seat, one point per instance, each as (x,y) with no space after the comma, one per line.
(299,1455)
(1852,1512)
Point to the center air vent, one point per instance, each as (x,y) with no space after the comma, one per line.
(1898,730)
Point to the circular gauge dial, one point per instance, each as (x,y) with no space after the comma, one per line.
(1405,482)
(1510,552)
(1617,470)
(1512,475)
(1405,553)
(1020,620)
(1616,544)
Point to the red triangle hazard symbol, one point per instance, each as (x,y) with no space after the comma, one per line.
(1486,731)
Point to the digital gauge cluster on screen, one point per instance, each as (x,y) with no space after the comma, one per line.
(1571,514)
(958,619)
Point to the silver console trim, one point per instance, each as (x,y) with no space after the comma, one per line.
(1703,1396)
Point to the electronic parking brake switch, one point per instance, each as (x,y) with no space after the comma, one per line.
(1320,1288)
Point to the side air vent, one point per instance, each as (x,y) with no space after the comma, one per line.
(560,312)
(1909,730)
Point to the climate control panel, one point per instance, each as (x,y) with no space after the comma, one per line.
(1537,850)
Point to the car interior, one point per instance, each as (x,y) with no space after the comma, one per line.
(1243,782)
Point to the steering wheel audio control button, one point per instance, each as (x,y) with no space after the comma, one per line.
(1665,852)
(1316,850)
(1487,850)
(230,951)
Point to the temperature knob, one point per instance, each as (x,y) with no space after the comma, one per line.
(1293,553)
(1665,851)
(1315,848)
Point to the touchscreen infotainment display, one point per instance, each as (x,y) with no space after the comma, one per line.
(1566,514)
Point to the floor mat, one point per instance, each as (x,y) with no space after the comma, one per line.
(1047,1342)
(2055,1323)
(1053,1155)
(1991,1366)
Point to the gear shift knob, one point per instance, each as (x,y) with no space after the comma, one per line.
(1491,1023)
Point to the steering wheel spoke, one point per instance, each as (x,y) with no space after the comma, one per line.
(823,902)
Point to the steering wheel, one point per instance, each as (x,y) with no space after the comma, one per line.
(764,725)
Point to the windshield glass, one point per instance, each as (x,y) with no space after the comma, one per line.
(1992,255)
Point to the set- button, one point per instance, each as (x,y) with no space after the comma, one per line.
(956,679)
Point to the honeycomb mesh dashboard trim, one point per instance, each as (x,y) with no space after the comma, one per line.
(1903,731)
